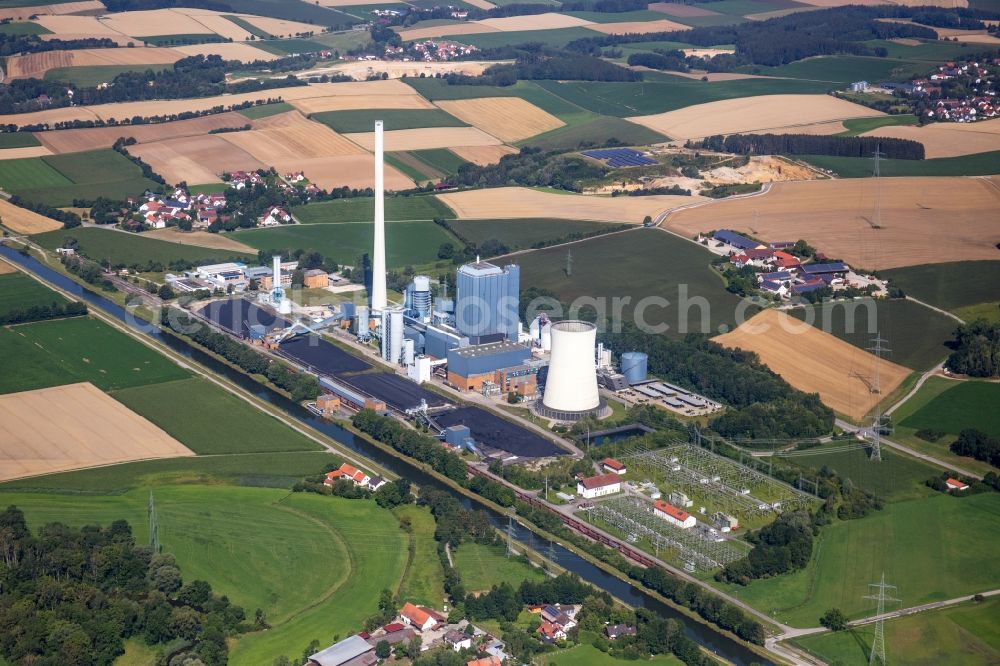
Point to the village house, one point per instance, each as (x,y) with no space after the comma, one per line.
(458,640)
(491,660)
(275,216)
(419,617)
(549,632)
(598,486)
(954,485)
(351,473)
(613,631)
(613,466)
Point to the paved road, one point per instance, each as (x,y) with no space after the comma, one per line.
(867,434)
(902,612)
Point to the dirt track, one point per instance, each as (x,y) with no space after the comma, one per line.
(72,427)
(815,362)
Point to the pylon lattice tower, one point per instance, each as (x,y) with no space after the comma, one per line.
(876,388)
(877,654)
(154,536)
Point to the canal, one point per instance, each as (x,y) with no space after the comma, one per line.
(704,635)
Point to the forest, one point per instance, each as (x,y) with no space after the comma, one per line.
(545,66)
(72,596)
(762,404)
(810,144)
(784,545)
(977,350)
(43,312)
(530,167)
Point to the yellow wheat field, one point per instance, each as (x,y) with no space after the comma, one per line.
(153,23)
(426,137)
(354,171)
(72,427)
(547,21)
(23,221)
(78,25)
(22,13)
(355,102)
(279,27)
(749,114)
(228,51)
(518,202)
(301,140)
(638,27)
(448,30)
(220,25)
(34,65)
(92,138)
(483,155)
(195,159)
(948,139)
(507,118)
(922,221)
(814,361)
(27,151)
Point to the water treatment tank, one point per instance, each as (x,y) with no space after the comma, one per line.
(571,384)
(635,367)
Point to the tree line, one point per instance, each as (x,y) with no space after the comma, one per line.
(11,44)
(809,144)
(43,312)
(977,444)
(416,445)
(531,167)
(545,66)
(73,596)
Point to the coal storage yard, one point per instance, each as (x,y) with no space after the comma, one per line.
(398,393)
(321,356)
(238,315)
(499,433)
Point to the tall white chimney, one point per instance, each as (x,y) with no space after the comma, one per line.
(379,301)
(276,279)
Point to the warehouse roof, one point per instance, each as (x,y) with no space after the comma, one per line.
(342,652)
(489,349)
(831,267)
(735,239)
(671,510)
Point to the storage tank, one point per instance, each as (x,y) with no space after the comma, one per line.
(408,352)
(421,296)
(571,385)
(635,367)
(362,324)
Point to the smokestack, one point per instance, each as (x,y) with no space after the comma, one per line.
(276,280)
(379,301)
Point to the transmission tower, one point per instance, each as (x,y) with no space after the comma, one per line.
(154,537)
(877,654)
(876,388)
(569,262)
(510,534)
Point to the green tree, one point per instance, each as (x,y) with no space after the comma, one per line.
(383,649)
(834,620)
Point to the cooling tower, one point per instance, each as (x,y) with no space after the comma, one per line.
(571,386)
(379,301)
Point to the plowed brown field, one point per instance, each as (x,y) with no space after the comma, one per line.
(92,138)
(507,118)
(816,362)
(6,268)
(923,220)
(72,427)
(303,140)
(195,159)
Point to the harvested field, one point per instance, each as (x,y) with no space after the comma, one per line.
(677,9)
(21,13)
(449,30)
(195,159)
(153,23)
(481,4)
(92,138)
(278,27)
(6,268)
(817,129)
(27,151)
(35,65)
(199,239)
(517,202)
(507,118)
(69,24)
(23,221)
(638,27)
(241,52)
(395,69)
(948,139)
(815,362)
(547,21)
(483,155)
(707,53)
(424,138)
(355,171)
(356,102)
(302,140)
(218,24)
(120,40)
(71,427)
(832,215)
(748,114)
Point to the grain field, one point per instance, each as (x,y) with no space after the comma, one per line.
(507,118)
(426,138)
(948,139)
(483,155)
(93,138)
(23,221)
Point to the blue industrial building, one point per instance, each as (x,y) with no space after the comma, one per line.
(486,359)
(635,367)
(486,307)
(438,340)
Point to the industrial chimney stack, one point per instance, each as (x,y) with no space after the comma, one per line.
(379,301)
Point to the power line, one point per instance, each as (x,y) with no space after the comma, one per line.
(877,654)
(154,537)
(878,350)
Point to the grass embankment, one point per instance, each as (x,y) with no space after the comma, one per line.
(423,582)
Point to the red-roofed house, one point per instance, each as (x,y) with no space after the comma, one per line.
(785,260)
(348,472)
(416,617)
(673,515)
(598,486)
(550,632)
(485,661)
(613,466)
(955,484)
(393,626)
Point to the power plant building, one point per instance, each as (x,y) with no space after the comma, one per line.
(392,334)
(469,367)
(418,298)
(635,367)
(486,307)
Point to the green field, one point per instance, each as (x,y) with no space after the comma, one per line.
(556,38)
(339,211)
(244,541)
(395,119)
(933,51)
(423,582)
(596,130)
(951,285)
(441,159)
(961,635)
(531,91)
(617,17)
(916,334)
(988,311)
(406,242)
(856,126)
(525,233)
(979,164)
(283,47)
(344,41)
(967,404)
(430,164)
(845,69)
(744,7)
(249,27)
(898,478)
(663,92)
(588,655)
(18,292)
(215,421)
(265,110)
(81,349)
(292,10)
(640,264)
(88,77)
(23,28)
(935,548)
(18,140)
(482,567)
(128,249)
(58,179)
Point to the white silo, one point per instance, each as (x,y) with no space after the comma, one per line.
(408,351)
(571,386)
(546,335)
(392,334)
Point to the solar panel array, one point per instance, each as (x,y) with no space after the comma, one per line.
(620,157)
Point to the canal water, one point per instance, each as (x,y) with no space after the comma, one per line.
(704,635)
